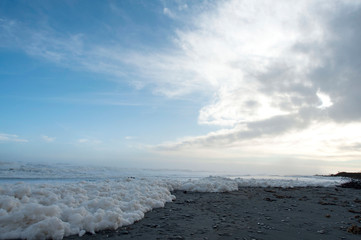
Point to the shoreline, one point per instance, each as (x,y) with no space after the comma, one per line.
(249,213)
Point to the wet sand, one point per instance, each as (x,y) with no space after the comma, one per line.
(250,213)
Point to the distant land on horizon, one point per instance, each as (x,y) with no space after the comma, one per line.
(354,175)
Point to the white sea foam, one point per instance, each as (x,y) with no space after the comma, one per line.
(208,184)
(289,182)
(39,210)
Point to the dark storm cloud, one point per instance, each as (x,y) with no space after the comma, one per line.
(340,75)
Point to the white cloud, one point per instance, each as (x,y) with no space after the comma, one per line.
(11,138)
(183,7)
(240,41)
(89,141)
(329,142)
(83,140)
(130,137)
(168,12)
(47,138)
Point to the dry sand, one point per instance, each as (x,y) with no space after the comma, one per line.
(250,213)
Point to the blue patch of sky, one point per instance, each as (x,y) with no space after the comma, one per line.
(127,22)
(40,96)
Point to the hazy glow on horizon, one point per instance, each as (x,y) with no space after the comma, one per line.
(249,86)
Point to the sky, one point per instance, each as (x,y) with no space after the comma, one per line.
(249,86)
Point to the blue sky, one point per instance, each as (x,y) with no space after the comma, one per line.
(247,86)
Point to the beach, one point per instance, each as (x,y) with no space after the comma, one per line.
(151,206)
(250,213)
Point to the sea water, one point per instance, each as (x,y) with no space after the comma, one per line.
(41,201)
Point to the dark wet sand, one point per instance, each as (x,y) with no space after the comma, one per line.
(250,213)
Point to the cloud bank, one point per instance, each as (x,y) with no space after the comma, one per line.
(283,78)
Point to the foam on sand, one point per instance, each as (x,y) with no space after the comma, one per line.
(44,211)
(40,211)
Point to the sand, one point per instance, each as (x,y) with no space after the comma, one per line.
(250,213)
